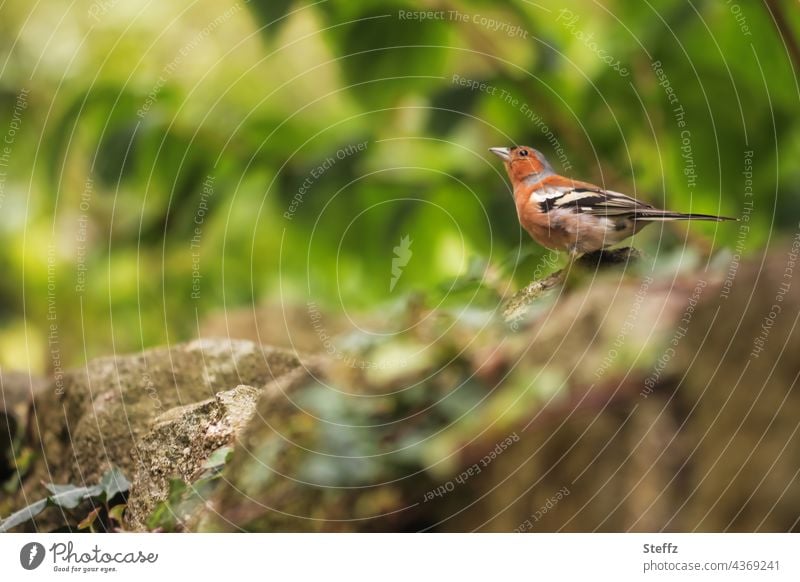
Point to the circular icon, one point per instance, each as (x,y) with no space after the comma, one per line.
(31,555)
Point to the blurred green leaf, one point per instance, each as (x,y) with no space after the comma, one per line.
(271,13)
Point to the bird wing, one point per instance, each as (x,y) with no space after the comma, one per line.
(559,192)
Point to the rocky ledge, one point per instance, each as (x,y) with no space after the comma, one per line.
(623,404)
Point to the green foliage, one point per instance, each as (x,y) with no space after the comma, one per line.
(23,515)
(184,497)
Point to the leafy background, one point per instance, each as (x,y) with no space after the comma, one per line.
(257,95)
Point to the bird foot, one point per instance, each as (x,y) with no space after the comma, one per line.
(608,257)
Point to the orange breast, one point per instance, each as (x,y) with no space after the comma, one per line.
(548,233)
(564,229)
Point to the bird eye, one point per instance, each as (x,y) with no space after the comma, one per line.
(523,152)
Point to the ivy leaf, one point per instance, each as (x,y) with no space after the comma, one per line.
(70,496)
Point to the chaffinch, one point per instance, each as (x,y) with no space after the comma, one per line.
(578,217)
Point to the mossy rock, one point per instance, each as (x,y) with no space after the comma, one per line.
(92,418)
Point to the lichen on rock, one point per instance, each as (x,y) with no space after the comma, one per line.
(179,443)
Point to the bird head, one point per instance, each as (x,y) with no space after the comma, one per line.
(523,163)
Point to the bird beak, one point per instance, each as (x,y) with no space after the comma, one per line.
(504,153)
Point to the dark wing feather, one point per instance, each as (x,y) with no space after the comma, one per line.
(586,198)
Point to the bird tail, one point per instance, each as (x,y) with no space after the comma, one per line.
(666,215)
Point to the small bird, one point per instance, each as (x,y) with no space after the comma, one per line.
(578,217)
